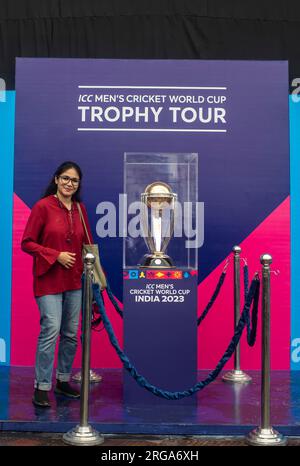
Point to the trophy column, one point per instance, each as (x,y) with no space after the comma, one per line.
(160,266)
(160,331)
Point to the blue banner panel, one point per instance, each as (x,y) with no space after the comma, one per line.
(7,121)
(295,230)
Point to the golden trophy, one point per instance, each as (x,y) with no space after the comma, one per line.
(158,208)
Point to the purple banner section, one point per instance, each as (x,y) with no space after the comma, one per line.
(160,332)
(93,111)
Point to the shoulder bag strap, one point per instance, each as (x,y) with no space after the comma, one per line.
(83,222)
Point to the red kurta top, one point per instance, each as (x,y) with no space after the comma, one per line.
(50,230)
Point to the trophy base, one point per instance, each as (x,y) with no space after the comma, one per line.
(153,261)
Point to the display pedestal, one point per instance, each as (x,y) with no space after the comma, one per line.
(160,331)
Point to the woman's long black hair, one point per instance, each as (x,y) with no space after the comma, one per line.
(52,187)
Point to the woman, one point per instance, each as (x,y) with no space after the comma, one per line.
(54,236)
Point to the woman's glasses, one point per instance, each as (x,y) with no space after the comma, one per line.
(66,179)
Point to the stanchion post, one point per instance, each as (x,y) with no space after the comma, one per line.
(237,375)
(265,435)
(83,433)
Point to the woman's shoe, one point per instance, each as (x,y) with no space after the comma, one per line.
(64,388)
(40,398)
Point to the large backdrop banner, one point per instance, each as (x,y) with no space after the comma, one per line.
(93,111)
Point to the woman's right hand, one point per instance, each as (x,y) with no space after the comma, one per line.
(67,259)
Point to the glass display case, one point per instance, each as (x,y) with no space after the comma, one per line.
(161,191)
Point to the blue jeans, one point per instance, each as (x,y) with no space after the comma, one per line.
(59,316)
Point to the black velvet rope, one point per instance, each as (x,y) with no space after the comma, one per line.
(252,296)
(246,281)
(113,300)
(251,328)
(213,298)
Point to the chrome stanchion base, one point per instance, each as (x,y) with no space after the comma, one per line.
(265,437)
(94,378)
(236,376)
(83,436)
